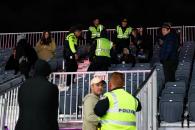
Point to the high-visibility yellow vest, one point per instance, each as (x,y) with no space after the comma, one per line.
(103,47)
(121,113)
(95,32)
(121,34)
(72,41)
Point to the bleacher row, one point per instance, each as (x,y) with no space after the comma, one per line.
(174,97)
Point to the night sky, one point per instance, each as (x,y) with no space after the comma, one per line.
(37,15)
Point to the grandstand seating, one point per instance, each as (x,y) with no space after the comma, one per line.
(172,100)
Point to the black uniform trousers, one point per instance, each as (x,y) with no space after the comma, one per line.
(71,66)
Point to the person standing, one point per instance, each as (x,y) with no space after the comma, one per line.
(169,53)
(38,101)
(46,47)
(94,30)
(100,53)
(117,109)
(70,52)
(90,120)
(123,32)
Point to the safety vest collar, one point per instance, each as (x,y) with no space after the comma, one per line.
(125,123)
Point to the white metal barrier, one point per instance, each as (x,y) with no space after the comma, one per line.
(9,109)
(8,40)
(70,99)
(147,117)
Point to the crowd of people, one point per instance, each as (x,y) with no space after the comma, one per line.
(128,45)
(116,110)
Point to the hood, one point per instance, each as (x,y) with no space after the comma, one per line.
(42,68)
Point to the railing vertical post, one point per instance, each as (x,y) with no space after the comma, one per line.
(154,100)
(4,114)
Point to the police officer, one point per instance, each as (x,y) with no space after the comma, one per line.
(123,32)
(70,52)
(94,30)
(100,53)
(117,110)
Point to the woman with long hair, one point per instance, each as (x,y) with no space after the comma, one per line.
(46,47)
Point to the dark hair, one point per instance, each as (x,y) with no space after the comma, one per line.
(46,41)
(166,25)
(75,28)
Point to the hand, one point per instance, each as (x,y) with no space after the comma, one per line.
(76,56)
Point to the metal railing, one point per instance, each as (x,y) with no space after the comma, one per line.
(70,99)
(147,117)
(137,82)
(8,40)
(9,109)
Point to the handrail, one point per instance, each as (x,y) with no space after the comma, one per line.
(145,81)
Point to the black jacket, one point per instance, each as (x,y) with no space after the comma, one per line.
(38,101)
(169,49)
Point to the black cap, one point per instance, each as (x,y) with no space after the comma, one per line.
(166,25)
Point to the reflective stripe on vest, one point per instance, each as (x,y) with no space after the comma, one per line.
(121,34)
(116,106)
(96,32)
(102,49)
(121,114)
(118,122)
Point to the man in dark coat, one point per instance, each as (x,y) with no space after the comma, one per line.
(38,101)
(169,53)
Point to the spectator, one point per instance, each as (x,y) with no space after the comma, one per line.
(118,106)
(133,42)
(144,45)
(12,63)
(100,53)
(114,57)
(46,47)
(169,53)
(90,120)
(127,57)
(38,101)
(25,55)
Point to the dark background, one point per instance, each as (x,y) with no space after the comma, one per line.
(37,15)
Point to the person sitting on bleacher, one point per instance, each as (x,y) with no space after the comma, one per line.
(25,55)
(12,63)
(144,46)
(127,57)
